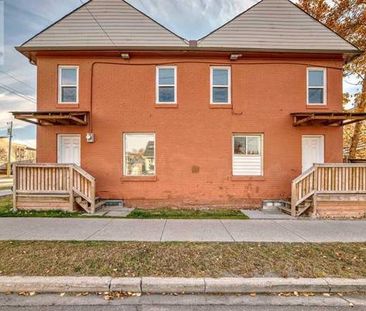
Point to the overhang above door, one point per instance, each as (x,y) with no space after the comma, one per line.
(53,117)
(326,118)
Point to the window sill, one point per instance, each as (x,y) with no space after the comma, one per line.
(316,106)
(159,105)
(221,106)
(68,106)
(138,178)
(248,178)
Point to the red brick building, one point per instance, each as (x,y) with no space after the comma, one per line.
(167,121)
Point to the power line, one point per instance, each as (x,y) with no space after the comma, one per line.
(91,14)
(16,79)
(16,91)
(18,94)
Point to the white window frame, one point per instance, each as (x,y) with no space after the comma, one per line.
(324,87)
(124,170)
(228,68)
(60,85)
(261,151)
(157,85)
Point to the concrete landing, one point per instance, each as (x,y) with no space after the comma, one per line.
(112,211)
(267,214)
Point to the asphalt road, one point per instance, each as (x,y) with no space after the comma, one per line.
(182,303)
(183,308)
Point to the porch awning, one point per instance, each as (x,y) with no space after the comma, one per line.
(327,118)
(53,117)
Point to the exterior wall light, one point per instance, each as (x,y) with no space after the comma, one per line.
(125,55)
(235,56)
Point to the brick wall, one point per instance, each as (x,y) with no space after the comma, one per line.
(193,140)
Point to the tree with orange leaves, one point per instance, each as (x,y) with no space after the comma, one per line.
(348,19)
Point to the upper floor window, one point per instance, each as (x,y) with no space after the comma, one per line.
(220,85)
(68,84)
(166,85)
(316,92)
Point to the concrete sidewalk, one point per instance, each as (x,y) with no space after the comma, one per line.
(182,230)
(5,193)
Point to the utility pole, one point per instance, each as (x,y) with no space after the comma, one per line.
(10,136)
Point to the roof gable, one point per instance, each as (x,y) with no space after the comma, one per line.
(105,23)
(275,25)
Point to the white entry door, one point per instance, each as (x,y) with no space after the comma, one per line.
(68,148)
(312,150)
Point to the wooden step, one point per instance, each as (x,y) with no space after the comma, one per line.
(285,209)
(303,209)
(45,195)
(83,203)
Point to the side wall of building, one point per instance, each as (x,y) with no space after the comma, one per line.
(194,139)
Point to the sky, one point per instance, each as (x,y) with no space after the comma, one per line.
(190,19)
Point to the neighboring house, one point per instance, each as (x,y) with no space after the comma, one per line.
(230,119)
(19,152)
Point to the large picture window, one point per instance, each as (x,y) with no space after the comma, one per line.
(220,85)
(68,77)
(139,154)
(166,85)
(316,78)
(247,155)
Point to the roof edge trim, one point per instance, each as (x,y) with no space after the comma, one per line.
(22,49)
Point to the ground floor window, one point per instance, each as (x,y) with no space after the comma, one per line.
(139,154)
(247,155)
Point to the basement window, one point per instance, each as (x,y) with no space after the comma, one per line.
(247,155)
(139,154)
(166,85)
(220,85)
(68,84)
(316,86)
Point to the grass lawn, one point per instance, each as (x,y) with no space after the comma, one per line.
(6,206)
(128,259)
(167,213)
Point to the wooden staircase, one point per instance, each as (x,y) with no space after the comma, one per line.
(330,179)
(53,186)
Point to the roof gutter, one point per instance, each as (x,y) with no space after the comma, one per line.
(193,46)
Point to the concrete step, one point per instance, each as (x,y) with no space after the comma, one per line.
(275,204)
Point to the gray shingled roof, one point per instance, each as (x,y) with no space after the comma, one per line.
(275,25)
(270,25)
(105,23)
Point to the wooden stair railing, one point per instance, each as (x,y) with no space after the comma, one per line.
(83,185)
(54,180)
(331,178)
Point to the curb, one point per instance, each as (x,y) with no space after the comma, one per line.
(179,285)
